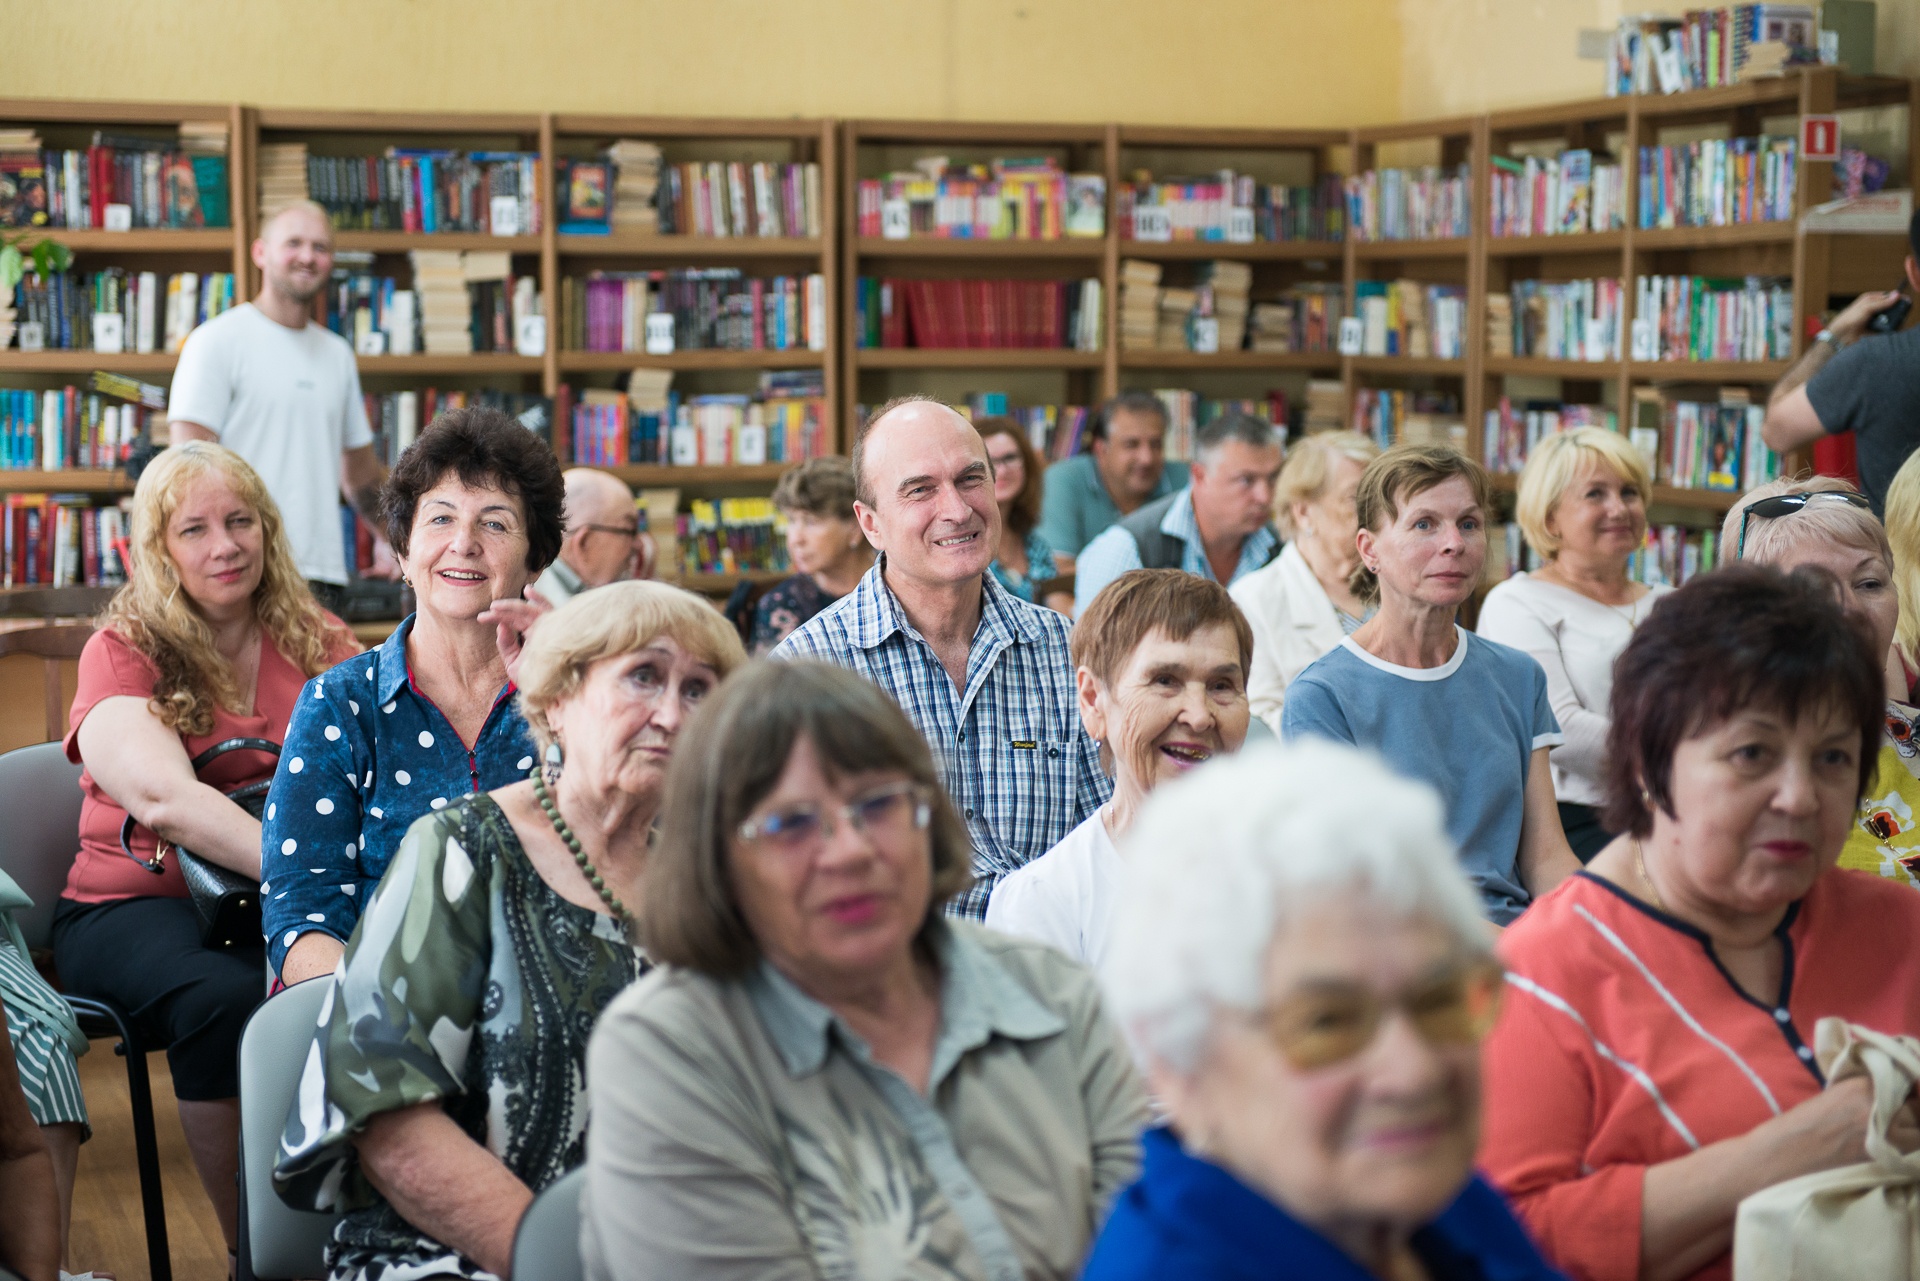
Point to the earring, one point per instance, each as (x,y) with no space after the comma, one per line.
(555,757)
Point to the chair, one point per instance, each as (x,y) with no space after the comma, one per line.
(546,1246)
(51,643)
(40,796)
(277,1242)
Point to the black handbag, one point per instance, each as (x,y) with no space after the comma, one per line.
(227,903)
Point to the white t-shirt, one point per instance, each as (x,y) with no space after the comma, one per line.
(287,401)
(1065,897)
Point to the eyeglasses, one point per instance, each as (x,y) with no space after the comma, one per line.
(886,815)
(1321,1028)
(628,532)
(1784,504)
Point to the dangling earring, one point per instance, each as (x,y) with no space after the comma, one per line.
(555,757)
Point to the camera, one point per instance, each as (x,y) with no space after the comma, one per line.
(1890,320)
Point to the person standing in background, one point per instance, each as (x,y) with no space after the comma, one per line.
(1125,469)
(828,552)
(1025,560)
(605,540)
(284,394)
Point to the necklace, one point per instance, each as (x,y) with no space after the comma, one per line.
(1640,859)
(572,843)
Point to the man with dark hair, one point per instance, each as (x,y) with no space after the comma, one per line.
(1219,526)
(984,675)
(1871,389)
(1125,469)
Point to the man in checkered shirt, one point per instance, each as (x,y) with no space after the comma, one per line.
(985,676)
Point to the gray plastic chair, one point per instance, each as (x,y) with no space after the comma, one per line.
(277,1242)
(39,836)
(546,1246)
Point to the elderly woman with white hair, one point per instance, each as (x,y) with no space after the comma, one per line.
(1308,995)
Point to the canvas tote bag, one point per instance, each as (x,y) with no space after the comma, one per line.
(1857,1222)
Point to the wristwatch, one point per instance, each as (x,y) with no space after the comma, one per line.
(1827,336)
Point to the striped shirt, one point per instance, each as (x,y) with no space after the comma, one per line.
(1009,746)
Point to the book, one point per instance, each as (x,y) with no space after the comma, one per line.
(1707,318)
(1428,203)
(151,317)
(1563,320)
(1411,318)
(979,313)
(1203,208)
(713,308)
(783,421)
(1006,199)
(427,190)
(1392,416)
(1567,194)
(1717,182)
(1511,430)
(758,199)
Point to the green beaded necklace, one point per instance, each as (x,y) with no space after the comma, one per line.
(572,842)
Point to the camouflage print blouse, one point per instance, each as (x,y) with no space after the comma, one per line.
(468,981)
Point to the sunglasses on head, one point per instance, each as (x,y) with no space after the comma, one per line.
(1785,504)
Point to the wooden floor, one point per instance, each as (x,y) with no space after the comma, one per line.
(108,1231)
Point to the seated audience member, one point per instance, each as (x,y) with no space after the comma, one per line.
(1583,508)
(210,640)
(1824,522)
(1217,527)
(982,674)
(1654,1065)
(473,510)
(1467,715)
(1025,559)
(1903,537)
(528,891)
(1125,468)
(30,1229)
(1308,994)
(1161,663)
(1303,603)
(828,552)
(606,540)
(825,1076)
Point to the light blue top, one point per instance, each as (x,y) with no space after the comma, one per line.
(1115,552)
(1076,506)
(1468,727)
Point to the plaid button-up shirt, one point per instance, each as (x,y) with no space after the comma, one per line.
(1010,746)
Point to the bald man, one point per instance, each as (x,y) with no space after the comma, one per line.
(605,541)
(284,394)
(984,675)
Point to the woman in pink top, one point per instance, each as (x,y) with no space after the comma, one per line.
(1653,1064)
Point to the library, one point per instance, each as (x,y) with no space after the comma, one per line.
(835,596)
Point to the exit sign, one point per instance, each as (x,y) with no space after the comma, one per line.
(1819,137)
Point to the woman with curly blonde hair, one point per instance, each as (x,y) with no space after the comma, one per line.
(210,640)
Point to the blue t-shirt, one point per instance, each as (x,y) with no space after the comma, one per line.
(1468,727)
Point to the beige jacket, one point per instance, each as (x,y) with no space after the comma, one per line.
(1293,624)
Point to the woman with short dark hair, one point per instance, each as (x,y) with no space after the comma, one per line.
(474,513)
(824,1075)
(828,552)
(1655,1064)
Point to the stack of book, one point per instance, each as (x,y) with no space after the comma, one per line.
(636,185)
(1177,305)
(981,313)
(1229,206)
(1717,182)
(1510,431)
(732,536)
(446,313)
(283,176)
(1395,417)
(120,310)
(1703,318)
(1224,289)
(1139,304)
(1410,204)
(1305,318)
(1706,48)
(1010,199)
(1499,324)
(1565,320)
(490,192)
(57,540)
(161,183)
(1409,318)
(1326,405)
(1558,196)
(712,308)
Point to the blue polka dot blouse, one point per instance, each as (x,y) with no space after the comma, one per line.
(366,754)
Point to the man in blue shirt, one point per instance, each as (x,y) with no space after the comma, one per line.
(1126,469)
(1218,527)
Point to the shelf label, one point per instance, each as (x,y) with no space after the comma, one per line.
(119,218)
(503,215)
(1152,222)
(1353,332)
(751,445)
(684,447)
(371,342)
(1646,338)
(109,332)
(896,219)
(530,336)
(1819,137)
(1206,334)
(32,335)
(1240,225)
(660,333)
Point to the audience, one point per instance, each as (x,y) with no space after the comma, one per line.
(1655,1064)
(606,540)
(1025,560)
(828,552)
(1217,527)
(1824,522)
(1903,536)
(1441,704)
(985,676)
(1303,603)
(1161,665)
(1125,467)
(473,509)
(1583,508)
(1309,995)
(826,1076)
(210,640)
(446,1086)
(30,1235)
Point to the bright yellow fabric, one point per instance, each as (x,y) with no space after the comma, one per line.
(1885,839)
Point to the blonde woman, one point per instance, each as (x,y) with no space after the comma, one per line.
(1903,532)
(1302,605)
(211,639)
(1583,509)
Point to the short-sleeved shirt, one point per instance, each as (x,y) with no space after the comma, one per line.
(1872,389)
(472,984)
(1064,898)
(110,667)
(1885,837)
(1075,505)
(287,401)
(1469,727)
(367,753)
(1010,747)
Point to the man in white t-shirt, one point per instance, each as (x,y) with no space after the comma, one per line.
(284,394)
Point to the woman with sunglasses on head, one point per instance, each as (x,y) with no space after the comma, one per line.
(1308,994)
(826,1076)
(1823,522)
(1654,1064)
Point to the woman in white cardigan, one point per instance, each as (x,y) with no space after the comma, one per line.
(1300,606)
(1583,509)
